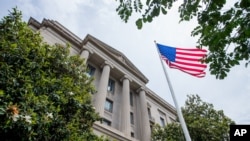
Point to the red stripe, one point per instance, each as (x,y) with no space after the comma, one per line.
(188,59)
(192,71)
(198,74)
(191,54)
(192,49)
(185,68)
(191,64)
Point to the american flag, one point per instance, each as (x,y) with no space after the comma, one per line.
(186,60)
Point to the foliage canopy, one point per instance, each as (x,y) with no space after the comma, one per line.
(203,122)
(219,27)
(44,92)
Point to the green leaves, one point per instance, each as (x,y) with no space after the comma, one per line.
(139,23)
(151,9)
(44,92)
(219,27)
(203,122)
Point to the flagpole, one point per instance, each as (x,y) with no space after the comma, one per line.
(179,114)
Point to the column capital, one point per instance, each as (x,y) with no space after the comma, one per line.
(126,77)
(142,88)
(86,48)
(107,63)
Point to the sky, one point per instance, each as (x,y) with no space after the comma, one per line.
(100,19)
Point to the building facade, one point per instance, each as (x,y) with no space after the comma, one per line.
(128,107)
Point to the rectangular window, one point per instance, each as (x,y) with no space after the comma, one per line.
(131,99)
(106,122)
(132,134)
(162,122)
(108,105)
(90,70)
(151,128)
(131,118)
(149,113)
(111,86)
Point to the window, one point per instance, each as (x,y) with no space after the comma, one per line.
(111,86)
(149,113)
(162,122)
(151,128)
(131,118)
(106,122)
(132,134)
(131,99)
(90,70)
(108,105)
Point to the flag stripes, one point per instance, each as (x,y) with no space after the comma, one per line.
(186,60)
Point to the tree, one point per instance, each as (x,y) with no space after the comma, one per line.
(44,92)
(171,132)
(218,27)
(203,122)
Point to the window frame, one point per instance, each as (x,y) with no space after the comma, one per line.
(132,119)
(108,105)
(131,99)
(106,122)
(149,113)
(111,86)
(132,134)
(90,70)
(163,123)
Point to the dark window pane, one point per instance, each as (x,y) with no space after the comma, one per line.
(109,105)
(111,86)
(131,118)
(162,121)
(90,70)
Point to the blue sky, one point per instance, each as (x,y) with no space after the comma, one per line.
(99,19)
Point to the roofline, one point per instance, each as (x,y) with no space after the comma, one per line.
(60,29)
(107,49)
(64,32)
(161,101)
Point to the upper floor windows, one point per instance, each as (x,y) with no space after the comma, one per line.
(131,118)
(149,113)
(106,122)
(131,99)
(162,120)
(108,105)
(90,70)
(111,86)
(132,134)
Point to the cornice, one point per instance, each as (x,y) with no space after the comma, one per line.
(34,23)
(116,55)
(59,29)
(150,94)
(75,40)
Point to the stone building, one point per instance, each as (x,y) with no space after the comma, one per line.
(127,106)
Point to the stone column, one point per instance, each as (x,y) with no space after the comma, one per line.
(145,126)
(125,111)
(100,96)
(85,54)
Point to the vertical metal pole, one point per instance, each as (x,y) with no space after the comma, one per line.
(179,113)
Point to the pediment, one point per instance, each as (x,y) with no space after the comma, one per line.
(115,54)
